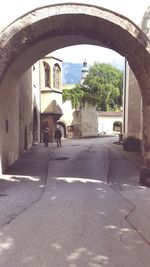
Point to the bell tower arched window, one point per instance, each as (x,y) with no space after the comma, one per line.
(46,74)
(56,76)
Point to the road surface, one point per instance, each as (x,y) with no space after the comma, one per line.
(80,219)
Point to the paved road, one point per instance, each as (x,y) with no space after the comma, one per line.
(80,218)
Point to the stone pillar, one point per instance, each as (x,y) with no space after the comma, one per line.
(145,168)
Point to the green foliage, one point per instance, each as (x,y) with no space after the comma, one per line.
(102,87)
(117,126)
(75,95)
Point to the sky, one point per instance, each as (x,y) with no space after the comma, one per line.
(92,54)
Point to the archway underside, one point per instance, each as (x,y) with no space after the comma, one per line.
(77,23)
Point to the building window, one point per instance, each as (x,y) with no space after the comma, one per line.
(56,76)
(47,74)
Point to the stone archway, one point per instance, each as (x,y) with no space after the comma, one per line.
(49,28)
(62,127)
(46,29)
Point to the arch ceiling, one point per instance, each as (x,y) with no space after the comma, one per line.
(46,29)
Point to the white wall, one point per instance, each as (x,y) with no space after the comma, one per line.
(67,110)
(105,124)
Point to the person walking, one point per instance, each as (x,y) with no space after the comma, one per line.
(46,137)
(58,136)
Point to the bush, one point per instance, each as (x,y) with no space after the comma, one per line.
(117,126)
(132,143)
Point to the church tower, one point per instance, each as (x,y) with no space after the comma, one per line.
(84,71)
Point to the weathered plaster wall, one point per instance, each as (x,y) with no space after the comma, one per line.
(9,124)
(16,111)
(133,106)
(89,121)
(134,111)
(25,111)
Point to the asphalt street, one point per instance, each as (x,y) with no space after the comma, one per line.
(67,207)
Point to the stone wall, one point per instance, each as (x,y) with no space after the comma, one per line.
(25,112)
(89,121)
(133,108)
(133,102)
(9,121)
(17,102)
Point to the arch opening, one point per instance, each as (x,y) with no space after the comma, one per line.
(61,125)
(46,29)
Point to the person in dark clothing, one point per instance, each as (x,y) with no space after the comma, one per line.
(58,136)
(46,137)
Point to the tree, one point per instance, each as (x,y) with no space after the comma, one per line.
(102,87)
